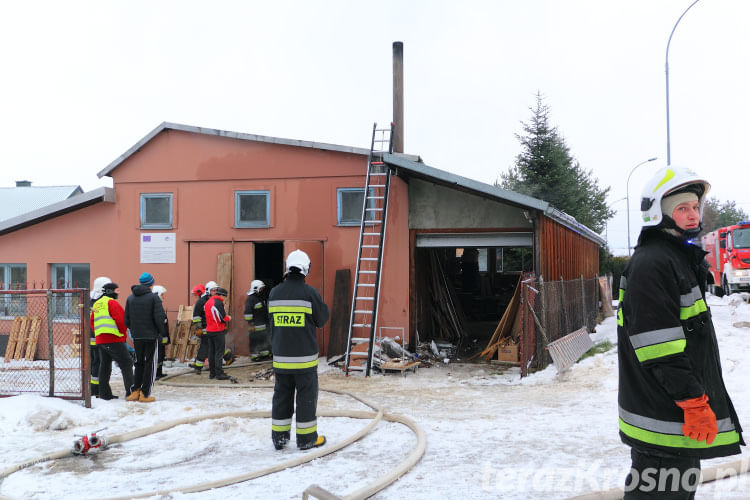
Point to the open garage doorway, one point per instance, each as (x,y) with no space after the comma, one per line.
(463,291)
(269,263)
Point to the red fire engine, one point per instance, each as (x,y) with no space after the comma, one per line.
(729,257)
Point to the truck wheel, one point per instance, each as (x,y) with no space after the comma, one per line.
(727,287)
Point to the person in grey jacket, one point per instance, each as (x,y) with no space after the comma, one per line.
(146,319)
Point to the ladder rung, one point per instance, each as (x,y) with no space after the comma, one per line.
(370,246)
(369,258)
(377,185)
(374,209)
(360,311)
(372,285)
(364,298)
(361,325)
(377,173)
(367,272)
(376,197)
(376,163)
(371,234)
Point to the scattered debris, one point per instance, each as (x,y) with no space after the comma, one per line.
(266,374)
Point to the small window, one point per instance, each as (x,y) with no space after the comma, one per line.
(65,305)
(349,206)
(156,211)
(12,277)
(252,208)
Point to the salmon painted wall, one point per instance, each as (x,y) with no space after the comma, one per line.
(202,172)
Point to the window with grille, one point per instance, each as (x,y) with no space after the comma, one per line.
(12,277)
(156,210)
(65,306)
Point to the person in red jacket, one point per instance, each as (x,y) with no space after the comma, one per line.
(108,325)
(215,334)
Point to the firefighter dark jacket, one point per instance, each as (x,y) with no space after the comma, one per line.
(199,313)
(296,311)
(256,311)
(667,350)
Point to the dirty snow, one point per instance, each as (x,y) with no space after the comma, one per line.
(490,434)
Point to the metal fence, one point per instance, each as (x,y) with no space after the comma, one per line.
(559,308)
(44,343)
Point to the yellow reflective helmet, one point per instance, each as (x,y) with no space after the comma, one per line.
(664,182)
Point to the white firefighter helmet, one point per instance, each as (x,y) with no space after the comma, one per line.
(211,285)
(97,290)
(255,286)
(159,290)
(666,181)
(300,260)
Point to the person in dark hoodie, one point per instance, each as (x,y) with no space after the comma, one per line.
(146,319)
(674,409)
(110,336)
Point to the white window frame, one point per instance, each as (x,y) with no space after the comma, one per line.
(252,224)
(5,278)
(157,225)
(67,298)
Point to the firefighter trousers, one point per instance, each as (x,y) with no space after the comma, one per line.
(305,384)
(216,345)
(117,352)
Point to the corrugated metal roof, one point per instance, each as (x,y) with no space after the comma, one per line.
(16,201)
(233,135)
(61,207)
(452,180)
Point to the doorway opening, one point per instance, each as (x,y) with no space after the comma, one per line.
(462,292)
(269,263)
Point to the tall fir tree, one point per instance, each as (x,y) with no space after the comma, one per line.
(545,169)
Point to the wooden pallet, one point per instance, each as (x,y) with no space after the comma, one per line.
(181,347)
(18,326)
(31,339)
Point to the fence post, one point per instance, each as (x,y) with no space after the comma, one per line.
(583,304)
(51,344)
(562,306)
(541,341)
(85,349)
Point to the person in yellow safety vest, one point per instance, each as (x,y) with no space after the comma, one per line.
(96,292)
(297,311)
(162,293)
(108,325)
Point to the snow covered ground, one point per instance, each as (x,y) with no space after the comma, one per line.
(490,434)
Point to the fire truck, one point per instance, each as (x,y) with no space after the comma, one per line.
(729,257)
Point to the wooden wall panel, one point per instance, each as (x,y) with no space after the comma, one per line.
(565,253)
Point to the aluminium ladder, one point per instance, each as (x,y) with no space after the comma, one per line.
(366,294)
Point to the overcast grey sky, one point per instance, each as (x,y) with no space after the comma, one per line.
(82,81)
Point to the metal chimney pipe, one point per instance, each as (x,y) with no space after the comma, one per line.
(398,97)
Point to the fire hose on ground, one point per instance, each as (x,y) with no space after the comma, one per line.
(314,490)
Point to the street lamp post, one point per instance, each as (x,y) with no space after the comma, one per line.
(666,72)
(627,194)
(606,224)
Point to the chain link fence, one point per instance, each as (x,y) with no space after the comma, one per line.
(550,310)
(44,343)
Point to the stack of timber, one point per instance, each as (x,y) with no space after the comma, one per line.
(24,333)
(443,317)
(183,341)
(75,344)
(503,333)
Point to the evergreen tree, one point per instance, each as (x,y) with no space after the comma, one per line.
(546,170)
(716,215)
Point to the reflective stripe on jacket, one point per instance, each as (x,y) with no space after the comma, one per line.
(667,350)
(296,311)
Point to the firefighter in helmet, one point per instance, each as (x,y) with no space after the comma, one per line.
(674,408)
(296,310)
(256,315)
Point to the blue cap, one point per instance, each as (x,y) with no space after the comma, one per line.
(146,279)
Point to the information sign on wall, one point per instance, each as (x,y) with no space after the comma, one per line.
(158,248)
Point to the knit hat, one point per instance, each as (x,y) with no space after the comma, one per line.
(670,202)
(146,279)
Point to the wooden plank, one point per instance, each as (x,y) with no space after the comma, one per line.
(22,339)
(224,274)
(17,325)
(342,297)
(36,323)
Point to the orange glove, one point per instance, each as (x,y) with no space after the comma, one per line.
(700,420)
